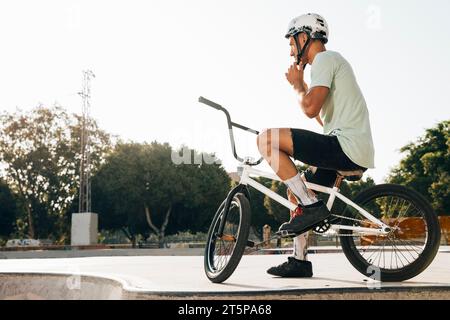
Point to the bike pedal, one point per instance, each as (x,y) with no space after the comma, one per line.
(250,244)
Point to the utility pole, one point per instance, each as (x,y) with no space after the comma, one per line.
(85,223)
(85,161)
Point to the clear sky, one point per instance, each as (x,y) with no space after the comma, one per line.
(152,59)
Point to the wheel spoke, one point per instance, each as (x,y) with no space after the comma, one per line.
(381,251)
(405,243)
(409,232)
(221,249)
(401,253)
(395,256)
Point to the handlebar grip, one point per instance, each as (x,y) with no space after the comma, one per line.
(210,103)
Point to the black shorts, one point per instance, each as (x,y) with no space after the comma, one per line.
(323,152)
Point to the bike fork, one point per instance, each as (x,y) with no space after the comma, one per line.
(238,189)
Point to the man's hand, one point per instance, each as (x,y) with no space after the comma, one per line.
(311,101)
(305,86)
(295,77)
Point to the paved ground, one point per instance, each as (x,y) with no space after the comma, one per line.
(183,276)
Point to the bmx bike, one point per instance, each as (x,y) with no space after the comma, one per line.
(388,230)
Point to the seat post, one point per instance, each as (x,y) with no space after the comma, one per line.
(338,181)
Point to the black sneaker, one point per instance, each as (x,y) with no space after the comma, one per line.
(293,268)
(310,216)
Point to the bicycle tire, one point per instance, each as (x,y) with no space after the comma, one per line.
(218,276)
(423,260)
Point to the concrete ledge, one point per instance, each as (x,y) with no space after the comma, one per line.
(21,286)
(391,293)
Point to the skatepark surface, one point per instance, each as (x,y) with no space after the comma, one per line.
(183,277)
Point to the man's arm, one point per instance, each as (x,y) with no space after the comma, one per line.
(312,101)
(319,120)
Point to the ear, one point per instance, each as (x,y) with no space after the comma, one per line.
(303,37)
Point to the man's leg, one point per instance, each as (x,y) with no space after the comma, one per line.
(297,266)
(276,146)
(301,247)
(301,241)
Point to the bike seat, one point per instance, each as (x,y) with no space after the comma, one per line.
(353,175)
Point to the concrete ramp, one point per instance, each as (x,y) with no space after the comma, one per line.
(29,286)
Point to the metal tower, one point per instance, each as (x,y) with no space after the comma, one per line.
(85,160)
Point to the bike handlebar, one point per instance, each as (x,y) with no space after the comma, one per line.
(212,104)
(231,124)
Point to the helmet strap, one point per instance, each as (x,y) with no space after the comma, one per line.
(300,53)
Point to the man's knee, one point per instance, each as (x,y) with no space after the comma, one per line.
(264,140)
(285,142)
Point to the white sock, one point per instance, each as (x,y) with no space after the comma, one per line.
(301,247)
(298,187)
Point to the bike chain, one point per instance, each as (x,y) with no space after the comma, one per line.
(343,217)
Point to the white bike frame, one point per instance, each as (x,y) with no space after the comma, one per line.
(246,171)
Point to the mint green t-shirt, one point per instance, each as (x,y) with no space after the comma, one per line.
(344,113)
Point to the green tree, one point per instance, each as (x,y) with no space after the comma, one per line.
(40,150)
(260,214)
(351,190)
(115,191)
(206,184)
(8,210)
(141,190)
(426,167)
(279,212)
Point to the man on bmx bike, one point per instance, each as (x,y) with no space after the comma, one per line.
(335,100)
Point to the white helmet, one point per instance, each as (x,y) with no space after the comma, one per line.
(312,24)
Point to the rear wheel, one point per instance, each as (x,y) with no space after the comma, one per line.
(411,245)
(223,254)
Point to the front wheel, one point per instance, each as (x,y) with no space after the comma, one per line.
(411,245)
(222,254)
